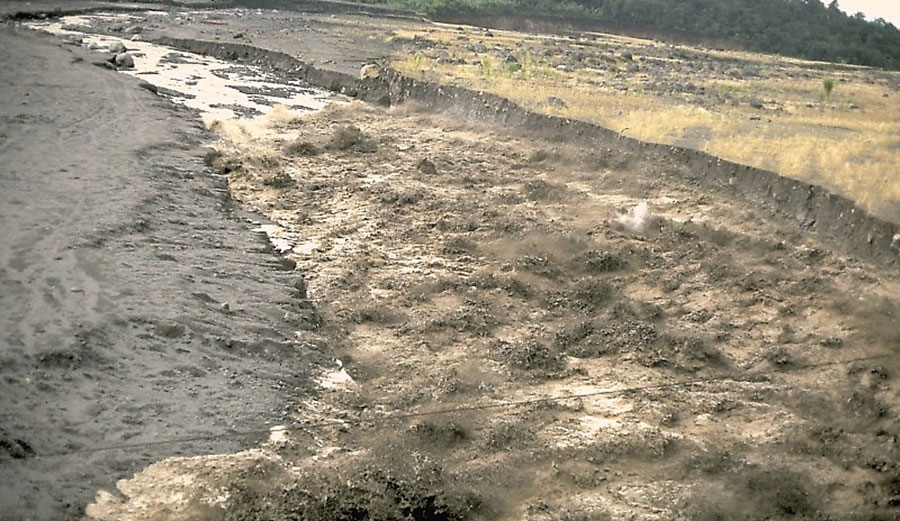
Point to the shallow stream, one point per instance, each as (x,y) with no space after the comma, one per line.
(217,89)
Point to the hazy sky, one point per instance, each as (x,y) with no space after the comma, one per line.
(887,9)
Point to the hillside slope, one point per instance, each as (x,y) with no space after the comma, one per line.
(803,28)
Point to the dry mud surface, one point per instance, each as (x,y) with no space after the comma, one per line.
(526,330)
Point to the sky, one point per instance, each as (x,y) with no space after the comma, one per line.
(887,9)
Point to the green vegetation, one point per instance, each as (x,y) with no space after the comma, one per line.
(486,66)
(803,28)
(828,87)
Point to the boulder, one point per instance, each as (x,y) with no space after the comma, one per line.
(124,61)
(427,167)
(370,71)
(553,101)
(117,48)
(106,64)
(146,85)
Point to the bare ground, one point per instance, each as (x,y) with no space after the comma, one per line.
(135,304)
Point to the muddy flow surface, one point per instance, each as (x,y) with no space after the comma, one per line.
(554,298)
(459,266)
(528,330)
(135,304)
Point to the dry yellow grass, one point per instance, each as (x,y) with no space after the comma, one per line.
(849,143)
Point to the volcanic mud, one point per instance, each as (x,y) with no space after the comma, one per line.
(579,327)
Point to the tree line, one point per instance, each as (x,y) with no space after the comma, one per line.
(802,28)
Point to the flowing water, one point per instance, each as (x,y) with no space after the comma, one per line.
(217,89)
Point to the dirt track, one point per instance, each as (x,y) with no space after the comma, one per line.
(135,304)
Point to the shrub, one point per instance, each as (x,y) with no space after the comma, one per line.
(828,87)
